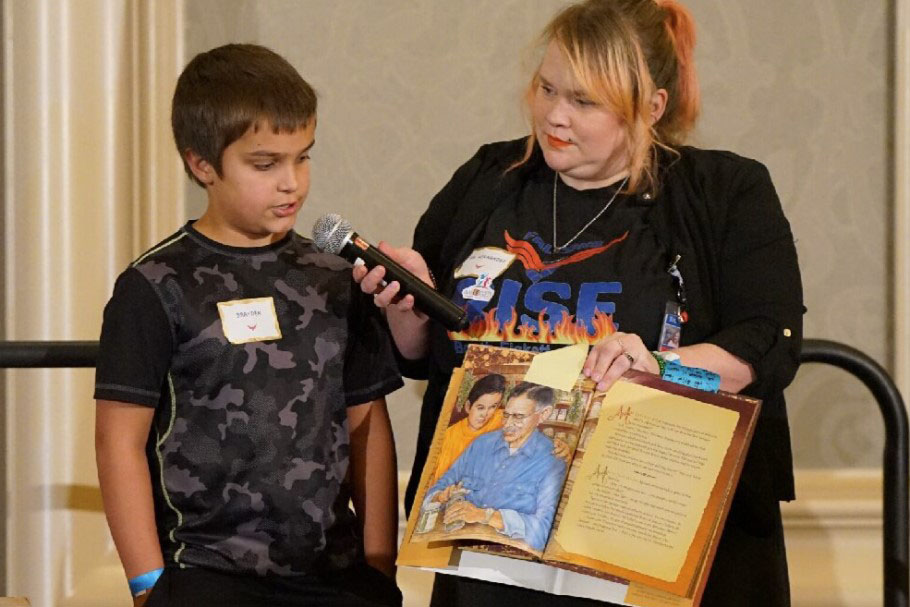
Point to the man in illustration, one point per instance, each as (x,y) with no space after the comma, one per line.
(484,415)
(509,480)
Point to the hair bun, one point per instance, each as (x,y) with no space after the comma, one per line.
(681,29)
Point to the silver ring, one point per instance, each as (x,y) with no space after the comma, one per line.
(630,358)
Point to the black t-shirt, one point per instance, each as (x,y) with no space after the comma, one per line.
(716,211)
(514,281)
(250,356)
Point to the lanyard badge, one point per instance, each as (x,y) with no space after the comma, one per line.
(671,328)
(674,312)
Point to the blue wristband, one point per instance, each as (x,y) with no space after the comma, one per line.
(143,582)
(701,379)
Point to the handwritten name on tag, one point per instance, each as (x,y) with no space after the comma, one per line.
(246,320)
(488,261)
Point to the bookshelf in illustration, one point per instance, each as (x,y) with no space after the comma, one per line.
(583,409)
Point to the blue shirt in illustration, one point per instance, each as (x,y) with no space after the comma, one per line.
(523,486)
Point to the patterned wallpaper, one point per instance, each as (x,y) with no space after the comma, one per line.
(803,87)
(408,90)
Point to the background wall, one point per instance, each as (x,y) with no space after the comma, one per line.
(409,90)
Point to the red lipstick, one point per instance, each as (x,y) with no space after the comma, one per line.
(557,143)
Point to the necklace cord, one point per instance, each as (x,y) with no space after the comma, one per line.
(559,248)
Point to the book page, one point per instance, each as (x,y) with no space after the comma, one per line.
(542,577)
(499,478)
(649,468)
(546,578)
(645,596)
(558,369)
(422,554)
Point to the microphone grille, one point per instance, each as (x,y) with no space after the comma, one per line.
(330,232)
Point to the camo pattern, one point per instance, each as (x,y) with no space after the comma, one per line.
(250,441)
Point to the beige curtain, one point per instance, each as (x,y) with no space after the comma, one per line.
(90,180)
(902,198)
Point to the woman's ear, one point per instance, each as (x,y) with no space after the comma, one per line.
(202,170)
(658,105)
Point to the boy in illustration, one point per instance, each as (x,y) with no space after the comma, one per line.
(510,480)
(241,377)
(483,415)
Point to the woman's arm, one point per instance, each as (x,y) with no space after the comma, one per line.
(758,303)
(121,433)
(608,360)
(759,300)
(735,373)
(374,482)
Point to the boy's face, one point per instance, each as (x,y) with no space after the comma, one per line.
(482,409)
(265,177)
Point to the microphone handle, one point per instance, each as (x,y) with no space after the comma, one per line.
(430,301)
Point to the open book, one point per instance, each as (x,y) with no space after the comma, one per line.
(550,484)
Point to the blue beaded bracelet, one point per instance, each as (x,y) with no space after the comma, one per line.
(142,582)
(701,379)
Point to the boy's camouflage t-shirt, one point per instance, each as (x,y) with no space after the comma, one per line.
(249,447)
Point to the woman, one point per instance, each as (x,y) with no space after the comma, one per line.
(600,215)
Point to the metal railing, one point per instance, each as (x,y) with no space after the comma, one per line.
(896,499)
(46,354)
(896,470)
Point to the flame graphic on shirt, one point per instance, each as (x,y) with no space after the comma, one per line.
(565,331)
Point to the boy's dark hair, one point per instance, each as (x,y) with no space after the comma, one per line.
(224,91)
(494,383)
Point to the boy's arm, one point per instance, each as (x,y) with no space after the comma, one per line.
(121,432)
(374,482)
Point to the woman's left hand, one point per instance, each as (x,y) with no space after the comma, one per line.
(615,355)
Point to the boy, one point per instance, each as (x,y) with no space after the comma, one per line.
(241,372)
(483,415)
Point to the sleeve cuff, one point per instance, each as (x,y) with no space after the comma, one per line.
(750,342)
(412,369)
(371,393)
(512,524)
(126,394)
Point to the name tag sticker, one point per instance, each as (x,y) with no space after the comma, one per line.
(487,261)
(246,320)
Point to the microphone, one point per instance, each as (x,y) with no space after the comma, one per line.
(332,234)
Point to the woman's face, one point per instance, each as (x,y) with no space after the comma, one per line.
(482,408)
(582,140)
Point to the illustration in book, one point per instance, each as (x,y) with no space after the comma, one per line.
(631,485)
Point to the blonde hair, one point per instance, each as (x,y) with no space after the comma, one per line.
(621,52)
